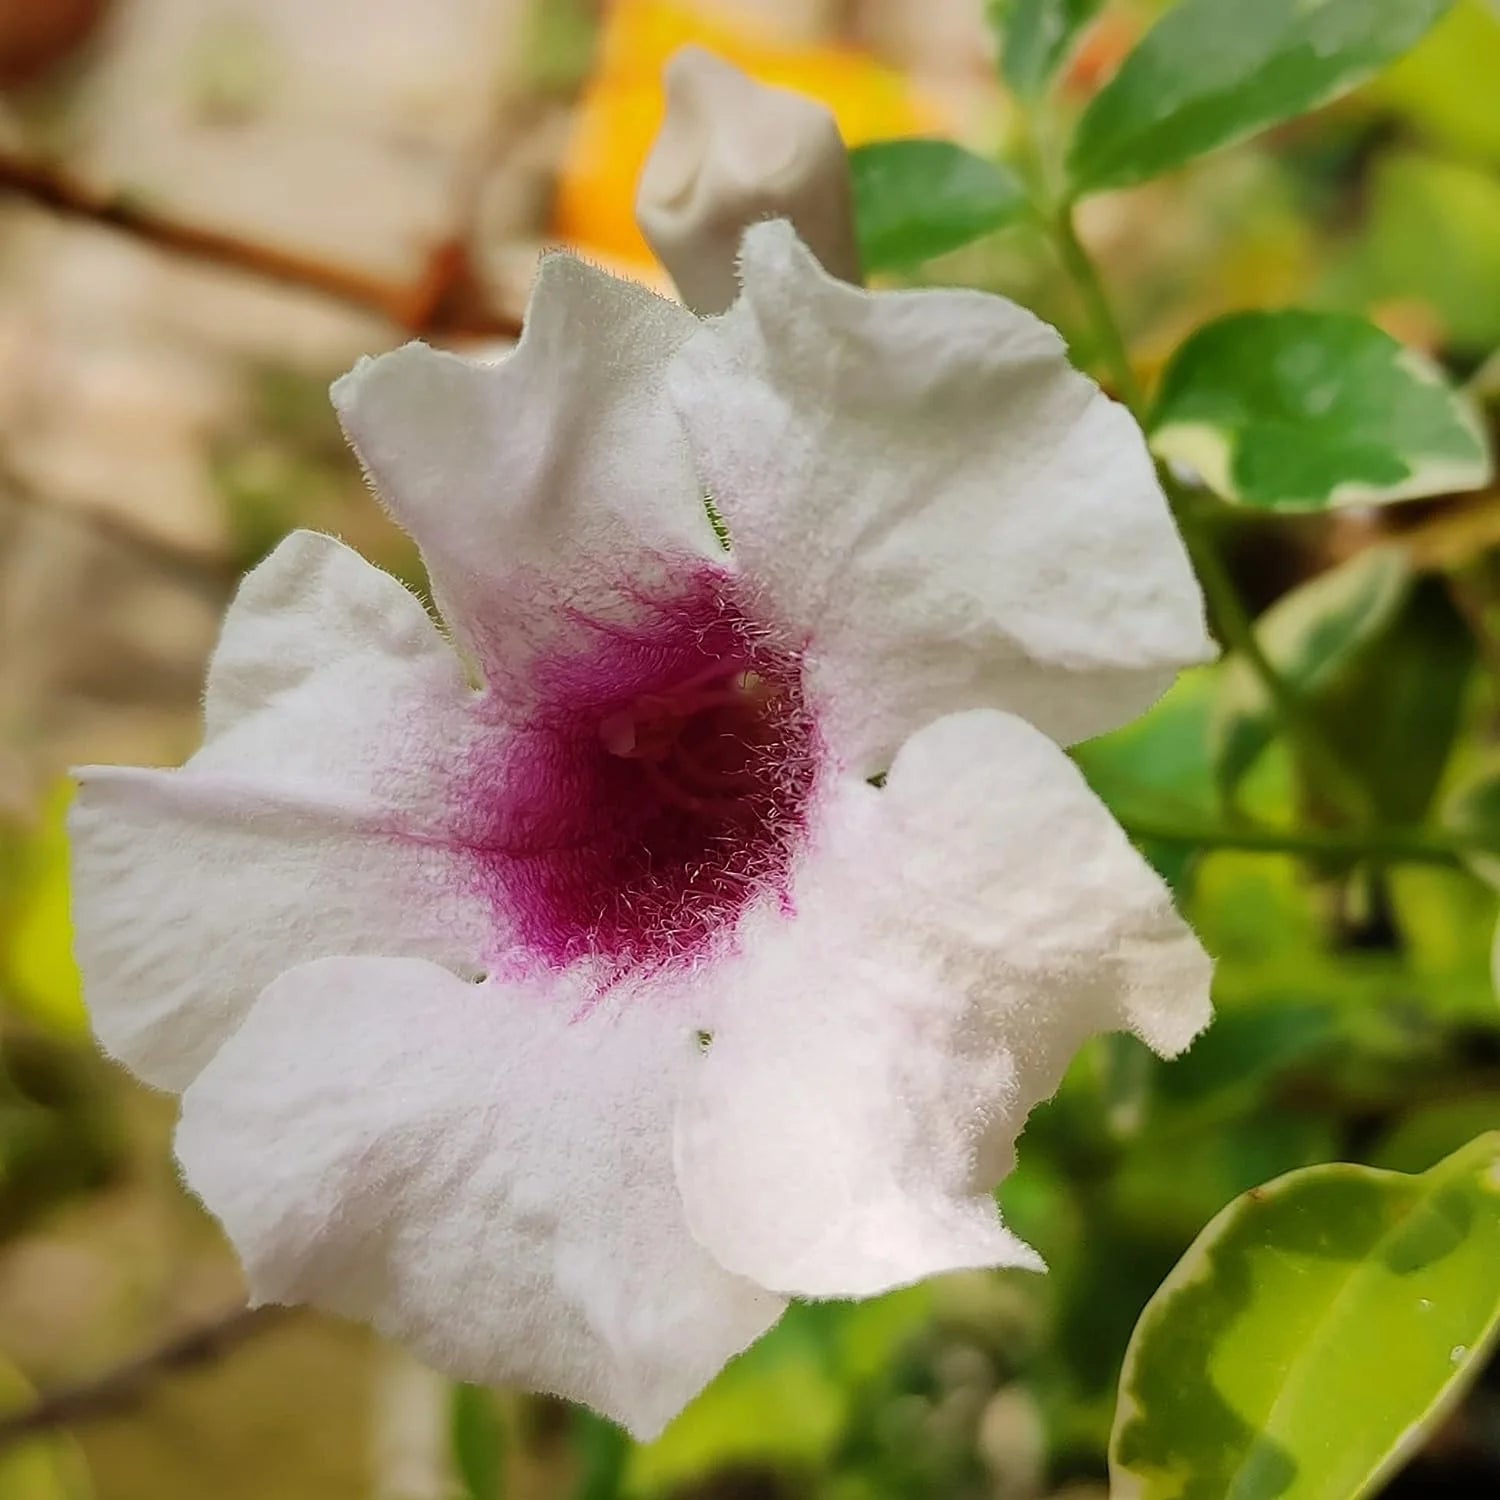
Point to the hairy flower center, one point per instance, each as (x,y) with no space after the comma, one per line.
(703,744)
(662,789)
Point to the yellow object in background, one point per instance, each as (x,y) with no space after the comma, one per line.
(622,106)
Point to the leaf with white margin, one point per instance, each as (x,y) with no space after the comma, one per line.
(1214,71)
(916,199)
(1296,410)
(1314,1335)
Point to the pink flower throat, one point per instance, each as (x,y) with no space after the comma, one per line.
(662,787)
(701,744)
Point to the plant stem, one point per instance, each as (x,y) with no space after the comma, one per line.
(1424,845)
(1085,277)
(1231,619)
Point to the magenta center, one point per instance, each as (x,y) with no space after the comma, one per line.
(662,787)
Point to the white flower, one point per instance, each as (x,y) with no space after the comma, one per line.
(732,151)
(565,1026)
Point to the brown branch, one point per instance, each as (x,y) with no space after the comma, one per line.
(444,300)
(126,1385)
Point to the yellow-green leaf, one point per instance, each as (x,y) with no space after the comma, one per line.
(1313,1335)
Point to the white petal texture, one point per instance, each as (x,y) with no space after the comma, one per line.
(478,1172)
(958,935)
(937,503)
(551,480)
(562,1023)
(332,707)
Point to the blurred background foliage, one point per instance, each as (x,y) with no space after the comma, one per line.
(163,422)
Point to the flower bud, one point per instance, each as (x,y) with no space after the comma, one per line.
(732,151)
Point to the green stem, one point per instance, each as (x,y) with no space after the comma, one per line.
(1233,622)
(1429,846)
(1080,267)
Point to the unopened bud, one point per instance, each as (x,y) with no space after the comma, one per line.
(732,151)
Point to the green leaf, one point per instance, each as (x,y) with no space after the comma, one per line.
(1214,71)
(1294,411)
(1315,636)
(477,1436)
(1317,1330)
(1035,36)
(1382,658)
(1394,717)
(1159,765)
(914,199)
(1160,759)
(787,1400)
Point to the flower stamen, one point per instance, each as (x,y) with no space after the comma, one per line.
(699,744)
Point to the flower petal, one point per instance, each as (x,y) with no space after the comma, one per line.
(554,480)
(477,1170)
(957,935)
(312,608)
(921,486)
(295,832)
